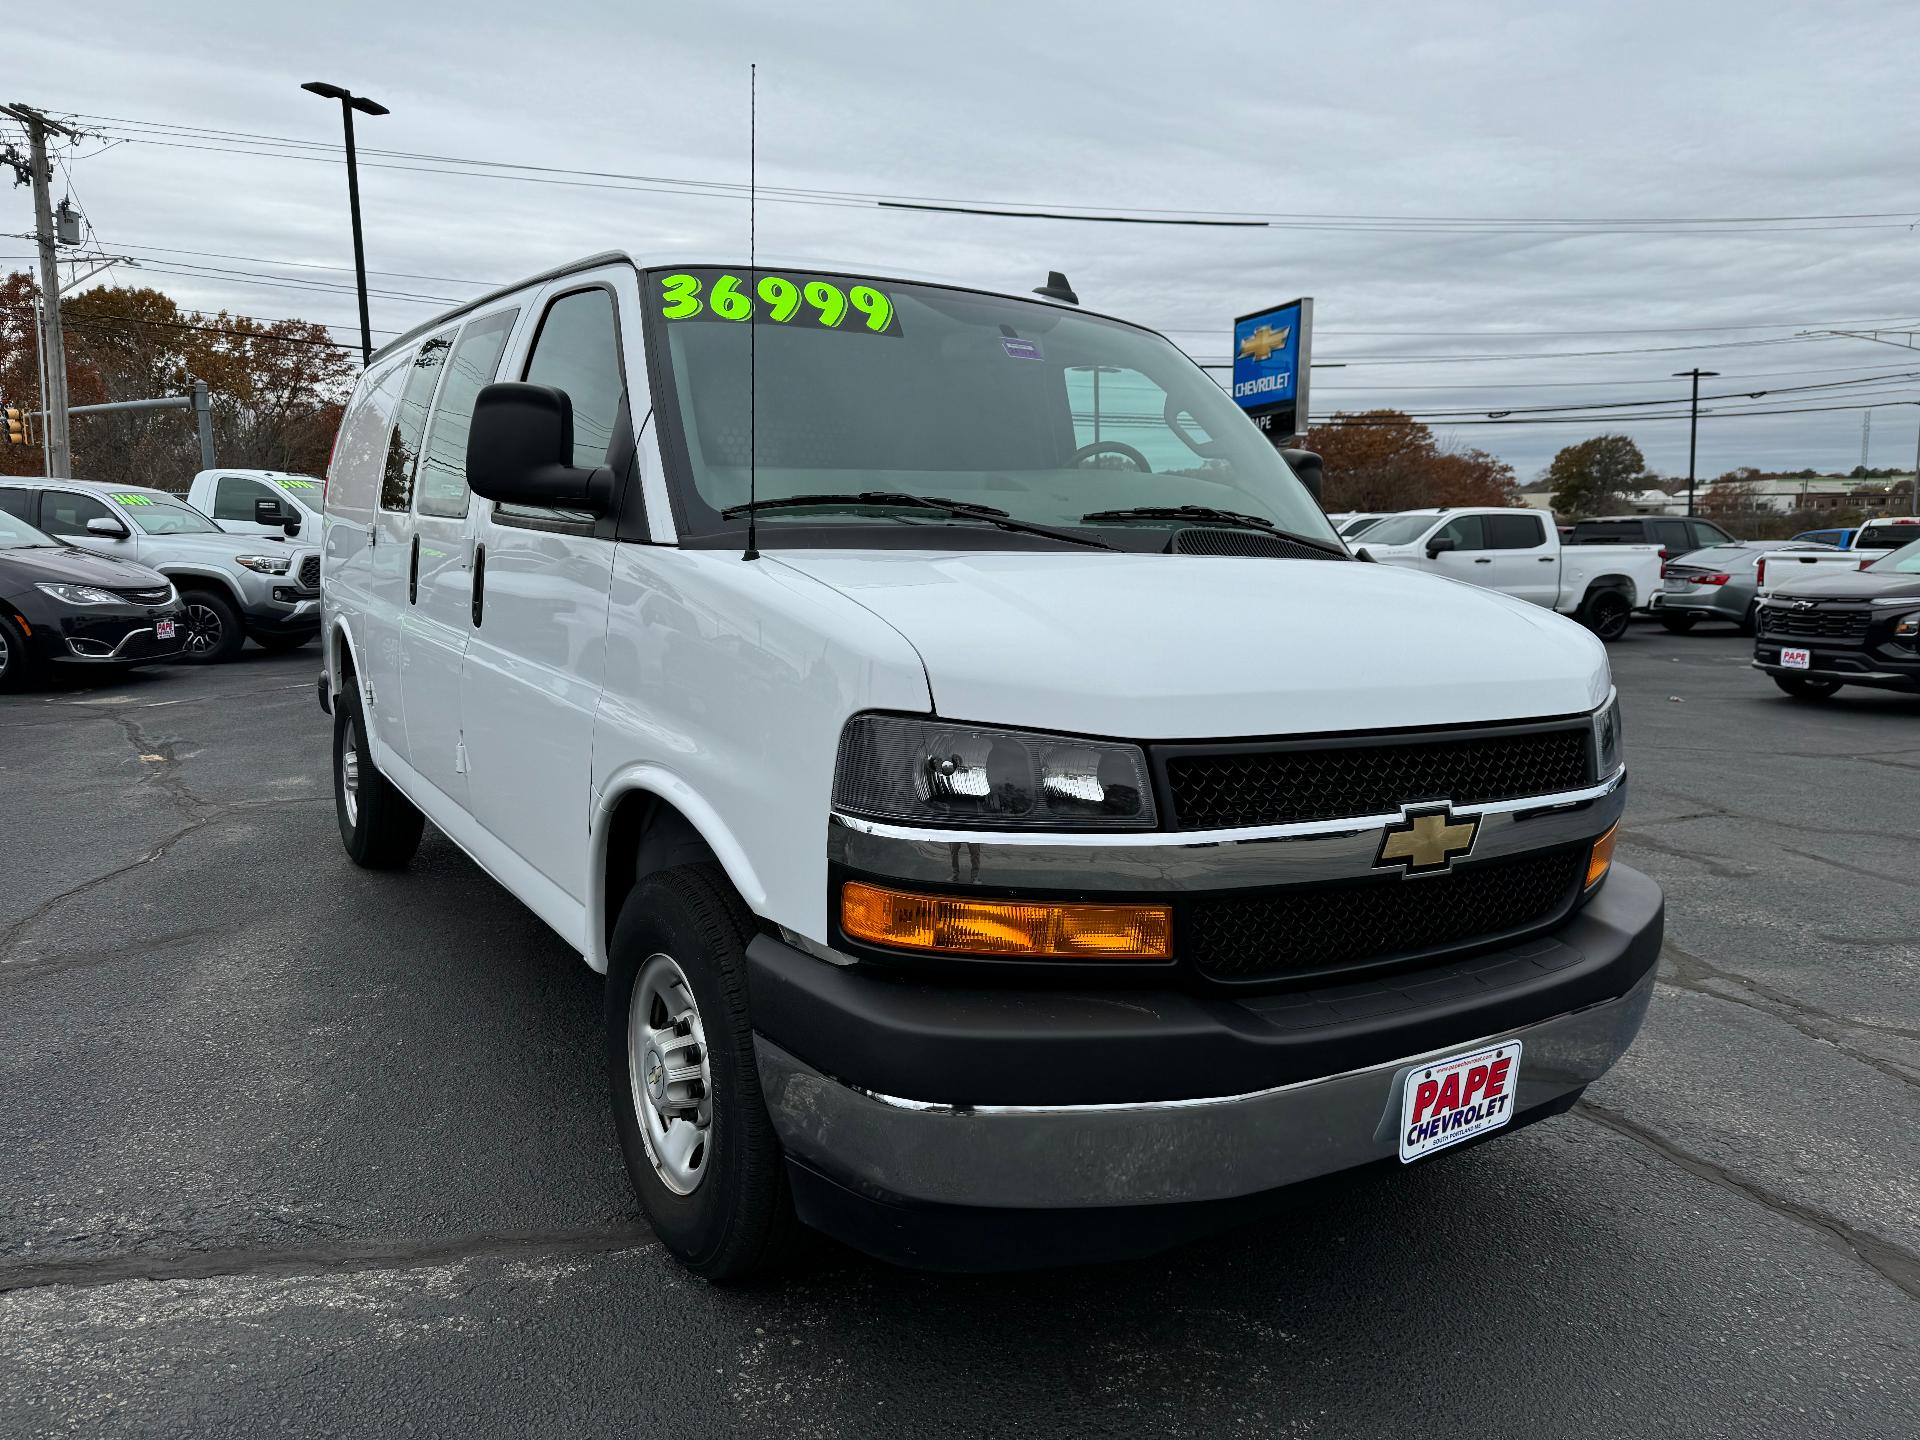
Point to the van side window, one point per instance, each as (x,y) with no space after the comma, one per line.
(578,351)
(1513,532)
(1464,532)
(233,497)
(410,423)
(443,466)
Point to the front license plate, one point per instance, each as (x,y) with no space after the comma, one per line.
(1458,1098)
(163,629)
(1796,659)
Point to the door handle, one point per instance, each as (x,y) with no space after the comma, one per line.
(479,583)
(1546,559)
(1484,560)
(413,572)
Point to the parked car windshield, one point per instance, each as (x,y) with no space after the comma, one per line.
(872,386)
(17,534)
(1885,537)
(1904,561)
(164,515)
(1398,530)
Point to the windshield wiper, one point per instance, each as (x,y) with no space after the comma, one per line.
(958,508)
(1207,512)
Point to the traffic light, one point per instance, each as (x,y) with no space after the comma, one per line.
(16,426)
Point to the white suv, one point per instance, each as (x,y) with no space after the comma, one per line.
(1013,827)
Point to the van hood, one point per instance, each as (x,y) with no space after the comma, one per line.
(1157,647)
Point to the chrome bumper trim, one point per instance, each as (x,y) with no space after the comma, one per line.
(1075,1156)
(1163,861)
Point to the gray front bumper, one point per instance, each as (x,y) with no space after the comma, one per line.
(1080,1156)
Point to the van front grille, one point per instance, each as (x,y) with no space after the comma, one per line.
(1284,783)
(1309,929)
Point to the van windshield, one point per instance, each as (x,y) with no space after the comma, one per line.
(875,388)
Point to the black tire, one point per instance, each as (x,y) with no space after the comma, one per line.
(1749,621)
(281,644)
(379,826)
(1676,622)
(1801,687)
(16,661)
(1606,613)
(734,1218)
(211,632)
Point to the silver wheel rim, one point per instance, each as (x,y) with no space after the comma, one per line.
(203,629)
(350,773)
(669,1076)
(6,655)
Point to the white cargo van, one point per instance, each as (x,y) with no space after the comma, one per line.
(1013,827)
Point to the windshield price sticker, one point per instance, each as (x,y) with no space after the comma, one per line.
(295,484)
(134,499)
(778,300)
(1458,1098)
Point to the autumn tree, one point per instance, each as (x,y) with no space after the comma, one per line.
(1385,460)
(275,389)
(1590,475)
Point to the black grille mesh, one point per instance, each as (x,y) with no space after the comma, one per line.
(1217,540)
(1280,786)
(153,595)
(310,572)
(1814,624)
(1315,927)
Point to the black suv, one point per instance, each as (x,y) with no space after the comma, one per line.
(1844,627)
(1674,534)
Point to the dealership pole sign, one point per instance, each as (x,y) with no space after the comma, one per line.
(1270,361)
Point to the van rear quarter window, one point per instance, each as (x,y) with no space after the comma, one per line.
(410,423)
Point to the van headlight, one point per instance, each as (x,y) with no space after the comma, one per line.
(1608,738)
(932,772)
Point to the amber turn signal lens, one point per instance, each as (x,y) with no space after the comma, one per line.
(1602,858)
(1031,930)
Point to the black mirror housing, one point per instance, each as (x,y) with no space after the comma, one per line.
(107,528)
(272,512)
(520,451)
(1310,468)
(1438,547)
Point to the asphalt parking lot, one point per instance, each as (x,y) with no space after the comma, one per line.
(287,1147)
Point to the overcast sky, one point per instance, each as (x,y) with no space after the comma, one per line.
(1683,110)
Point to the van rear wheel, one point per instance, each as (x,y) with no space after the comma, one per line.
(379,826)
(700,1149)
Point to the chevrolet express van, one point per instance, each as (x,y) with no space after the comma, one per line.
(1013,827)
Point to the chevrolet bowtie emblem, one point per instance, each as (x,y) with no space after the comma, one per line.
(1264,341)
(1425,843)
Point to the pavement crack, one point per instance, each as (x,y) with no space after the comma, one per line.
(1893,1264)
(1713,864)
(1686,971)
(1708,810)
(1901,880)
(337,1259)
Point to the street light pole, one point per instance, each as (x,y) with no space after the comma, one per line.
(349,102)
(1693,425)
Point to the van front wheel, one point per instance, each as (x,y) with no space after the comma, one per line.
(379,826)
(699,1145)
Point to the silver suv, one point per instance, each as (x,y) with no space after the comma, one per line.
(234,586)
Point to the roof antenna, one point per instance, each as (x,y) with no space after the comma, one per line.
(752,551)
(1057,288)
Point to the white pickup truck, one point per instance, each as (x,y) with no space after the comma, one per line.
(1873,539)
(234,497)
(1519,553)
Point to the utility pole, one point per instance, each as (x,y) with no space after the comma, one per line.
(350,102)
(53,342)
(1915,510)
(1693,424)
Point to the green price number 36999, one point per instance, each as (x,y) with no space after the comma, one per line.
(816,303)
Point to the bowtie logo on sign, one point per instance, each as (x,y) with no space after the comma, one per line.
(1264,341)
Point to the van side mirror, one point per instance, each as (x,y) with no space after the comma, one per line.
(1309,467)
(520,451)
(107,528)
(272,512)
(1440,545)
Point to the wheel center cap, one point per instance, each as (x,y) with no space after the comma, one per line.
(656,1073)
